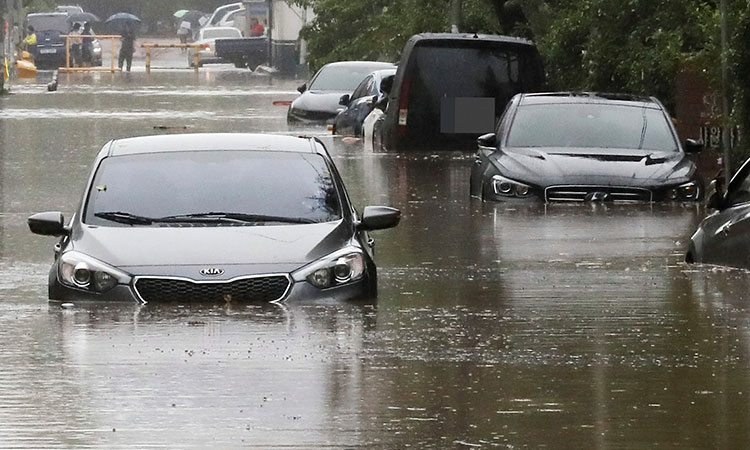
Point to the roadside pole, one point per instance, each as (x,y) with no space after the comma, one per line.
(455,15)
(725,125)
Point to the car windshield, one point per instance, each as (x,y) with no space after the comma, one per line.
(221,33)
(342,77)
(49,22)
(586,125)
(133,189)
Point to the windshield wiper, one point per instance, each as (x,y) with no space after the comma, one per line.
(125,217)
(232,217)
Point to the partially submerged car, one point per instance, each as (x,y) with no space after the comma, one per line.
(575,147)
(451,88)
(372,90)
(320,99)
(214,218)
(723,237)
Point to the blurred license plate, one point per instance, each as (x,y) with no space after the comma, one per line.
(47,50)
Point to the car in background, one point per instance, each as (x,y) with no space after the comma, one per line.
(69,9)
(50,50)
(362,101)
(267,219)
(221,12)
(206,39)
(320,99)
(451,88)
(576,147)
(723,237)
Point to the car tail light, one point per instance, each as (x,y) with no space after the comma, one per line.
(206,47)
(403,106)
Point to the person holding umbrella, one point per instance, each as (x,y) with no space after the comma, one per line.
(126,23)
(128,47)
(87,46)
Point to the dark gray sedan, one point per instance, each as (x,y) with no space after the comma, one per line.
(320,99)
(216,218)
(575,147)
(724,236)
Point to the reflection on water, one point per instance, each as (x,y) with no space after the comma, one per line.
(497,326)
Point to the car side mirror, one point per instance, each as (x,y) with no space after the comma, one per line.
(715,201)
(693,145)
(302,88)
(487,141)
(48,224)
(379,218)
(715,195)
(382,103)
(344,100)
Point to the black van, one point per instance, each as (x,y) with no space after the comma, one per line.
(50,47)
(451,88)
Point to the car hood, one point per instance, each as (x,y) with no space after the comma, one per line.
(170,250)
(320,101)
(582,166)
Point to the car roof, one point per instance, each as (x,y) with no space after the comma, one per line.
(51,14)
(213,141)
(546,98)
(360,63)
(470,37)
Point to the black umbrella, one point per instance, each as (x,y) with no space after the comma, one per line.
(123,21)
(193,16)
(83,17)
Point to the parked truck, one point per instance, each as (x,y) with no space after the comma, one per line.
(243,52)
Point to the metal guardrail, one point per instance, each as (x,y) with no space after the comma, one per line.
(149,46)
(68,68)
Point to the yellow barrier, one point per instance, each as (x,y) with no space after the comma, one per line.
(149,46)
(67,67)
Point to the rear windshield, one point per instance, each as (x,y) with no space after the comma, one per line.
(221,33)
(49,23)
(342,77)
(487,71)
(289,185)
(583,125)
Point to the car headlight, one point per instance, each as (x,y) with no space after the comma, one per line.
(683,192)
(84,272)
(340,267)
(509,188)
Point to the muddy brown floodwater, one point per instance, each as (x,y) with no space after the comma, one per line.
(523,327)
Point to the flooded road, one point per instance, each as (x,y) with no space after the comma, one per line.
(496,327)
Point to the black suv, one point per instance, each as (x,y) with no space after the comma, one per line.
(451,88)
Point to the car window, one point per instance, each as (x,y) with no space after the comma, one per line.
(57,22)
(586,125)
(221,12)
(363,88)
(293,185)
(341,77)
(221,33)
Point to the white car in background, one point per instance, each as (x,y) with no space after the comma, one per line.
(206,40)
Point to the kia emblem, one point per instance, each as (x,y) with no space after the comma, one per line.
(212,271)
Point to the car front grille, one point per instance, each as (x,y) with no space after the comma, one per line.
(267,288)
(596,193)
(318,116)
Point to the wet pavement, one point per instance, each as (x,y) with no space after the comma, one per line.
(496,327)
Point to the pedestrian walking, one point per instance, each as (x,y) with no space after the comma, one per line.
(127,48)
(87,46)
(183,32)
(76,43)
